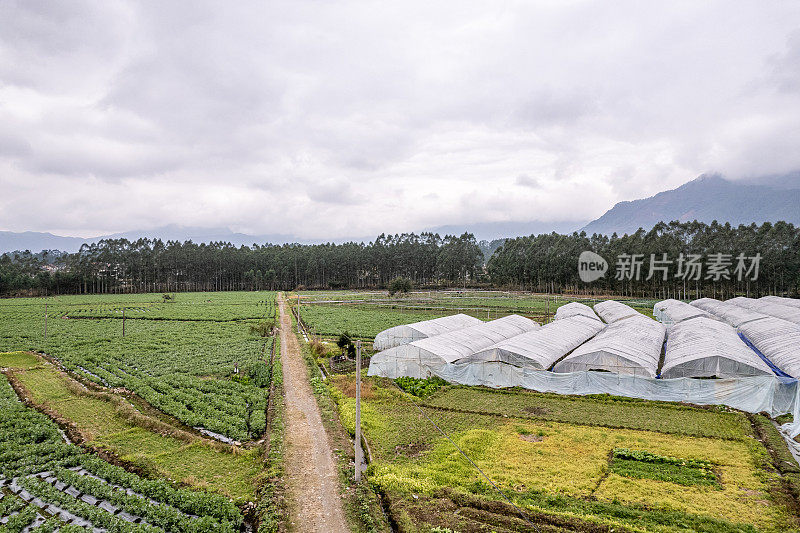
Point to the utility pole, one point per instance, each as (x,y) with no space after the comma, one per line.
(45,320)
(359,452)
(123,322)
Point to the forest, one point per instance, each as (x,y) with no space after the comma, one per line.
(541,263)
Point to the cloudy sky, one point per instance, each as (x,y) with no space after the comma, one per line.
(347,119)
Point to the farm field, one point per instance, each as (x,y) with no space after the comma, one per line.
(566,461)
(365,314)
(177,353)
(106,422)
(48,483)
(166,403)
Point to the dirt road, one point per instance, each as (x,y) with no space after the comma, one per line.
(311,475)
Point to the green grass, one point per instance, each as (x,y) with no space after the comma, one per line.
(18,360)
(365,320)
(331,321)
(600,410)
(561,467)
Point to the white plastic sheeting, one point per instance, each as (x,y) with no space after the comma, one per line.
(541,347)
(791,302)
(672,311)
(631,346)
(389,338)
(778,340)
(729,313)
(449,347)
(771,308)
(574,308)
(613,311)
(703,347)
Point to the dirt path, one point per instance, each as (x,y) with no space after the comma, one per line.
(311,475)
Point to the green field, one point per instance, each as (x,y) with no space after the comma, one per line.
(365,314)
(594,463)
(176,354)
(31,443)
(638,465)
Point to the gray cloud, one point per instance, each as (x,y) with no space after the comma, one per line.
(334,120)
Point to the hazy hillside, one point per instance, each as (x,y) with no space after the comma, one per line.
(706,199)
(30,240)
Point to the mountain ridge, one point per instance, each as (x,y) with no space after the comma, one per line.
(706,198)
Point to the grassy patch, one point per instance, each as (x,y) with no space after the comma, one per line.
(602,410)
(18,360)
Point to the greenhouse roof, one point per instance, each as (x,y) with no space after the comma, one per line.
(541,347)
(459,344)
(729,313)
(704,347)
(612,311)
(574,308)
(631,346)
(672,311)
(778,340)
(406,333)
(768,307)
(791,302)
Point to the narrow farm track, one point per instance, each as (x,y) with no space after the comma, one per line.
(311,476)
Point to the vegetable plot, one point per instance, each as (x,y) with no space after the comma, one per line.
(178,355)
(53,483)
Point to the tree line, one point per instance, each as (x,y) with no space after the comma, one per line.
(549,263)
(541,263)
(145,265)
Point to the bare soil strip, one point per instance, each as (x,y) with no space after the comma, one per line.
(311,474)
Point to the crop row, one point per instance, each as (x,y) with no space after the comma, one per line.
(29,441)
(30,444)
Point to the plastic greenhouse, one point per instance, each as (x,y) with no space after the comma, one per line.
(778,340)
(613,311)
(791,302)
(420,358)
(771,308)
(671,311)
(574,308)
(541,347)
(704,348)
(631,346)
(399,335)
(729,313)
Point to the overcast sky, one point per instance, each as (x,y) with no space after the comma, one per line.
(347,119)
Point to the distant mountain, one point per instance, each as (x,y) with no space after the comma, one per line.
(36,241)
(707,198)
(174,232)
(488,231)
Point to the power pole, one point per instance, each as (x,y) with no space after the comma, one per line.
(45,320)
(123,322)
(359,452)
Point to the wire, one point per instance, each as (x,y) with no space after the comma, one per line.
(492,483)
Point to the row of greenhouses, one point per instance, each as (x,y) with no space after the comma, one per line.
(707,338)
(750,346)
